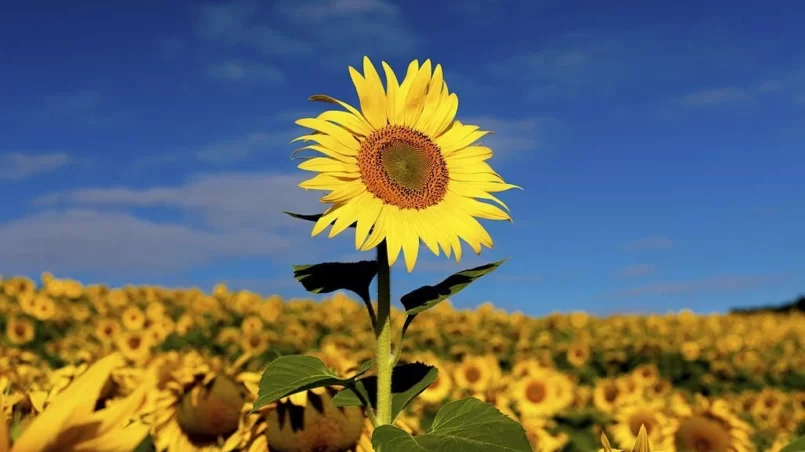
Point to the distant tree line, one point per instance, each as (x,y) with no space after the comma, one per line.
(798,304)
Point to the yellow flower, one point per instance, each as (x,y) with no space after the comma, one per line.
(20,330)
(44,308)
(578,353)
(641,444)
(403,168)
(711,425)
(133,318)
(252,325)
(70,421)
(645,416)
(543,393)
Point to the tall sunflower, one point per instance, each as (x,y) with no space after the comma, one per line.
(403,169)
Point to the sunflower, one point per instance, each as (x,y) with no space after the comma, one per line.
(641,444)
(649,415)
(133,318)
(536,430)
(403,169)
(252,325)
(308,421)
(107,330)
(542,393)
(474,373)
(198,407)
(607,394)
(44,308)
(135,346)
(578,353)
(20,330)
(712,426)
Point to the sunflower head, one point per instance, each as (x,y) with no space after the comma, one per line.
(402,169)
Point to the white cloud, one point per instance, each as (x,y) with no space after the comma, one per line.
(79,240)
(718,96)
(649,243)
(227,201)
(241,71)
(22,165)
(513,135)
(721,284)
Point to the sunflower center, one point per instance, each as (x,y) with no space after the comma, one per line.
(472,374)
(641,418)
(213,413)
(610,393)
(403,167)
(703,435)
(19,330)
(535,392)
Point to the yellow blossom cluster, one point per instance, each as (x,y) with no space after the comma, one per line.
(182,368)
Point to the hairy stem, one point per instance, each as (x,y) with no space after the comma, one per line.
(383,336)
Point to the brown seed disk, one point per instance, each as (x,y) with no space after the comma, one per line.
(403,167)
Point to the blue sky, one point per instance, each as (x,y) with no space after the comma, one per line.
(659,143)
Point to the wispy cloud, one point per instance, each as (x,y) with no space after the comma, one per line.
(649,243)
(327,28)
(514,135)
(17,166)
(86,107)
(636,271)
(242,71)
(79,240)
(241,148)
(712,285)
(718,96)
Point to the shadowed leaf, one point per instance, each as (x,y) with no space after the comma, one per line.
(797,446)
(467,425)
(331,276)
(427,297)
(313,217)
(407,382)
(288,375)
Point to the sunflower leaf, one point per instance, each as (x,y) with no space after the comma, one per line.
(797,446)
(427,297)
(467,425)
(314,217)
(288,375)
(331,276)
(407,382)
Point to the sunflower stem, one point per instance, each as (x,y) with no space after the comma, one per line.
(383,336)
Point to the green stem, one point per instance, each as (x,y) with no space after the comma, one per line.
(383,336)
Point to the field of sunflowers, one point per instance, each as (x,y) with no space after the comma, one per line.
(698,383)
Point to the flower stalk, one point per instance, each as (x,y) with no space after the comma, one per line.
(383,336)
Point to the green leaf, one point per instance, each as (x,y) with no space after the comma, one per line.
(314,218)
(467,425)
(407,382)
(288,375)
(365,367)
(797,446)
(331,276)
(427,297)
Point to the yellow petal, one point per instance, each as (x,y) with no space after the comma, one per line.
(456,133)
(366,220)
(402,93)
(328,128)
(328,142)
(350,213)
(392,91)
(488,178)
(348,121)
(472,191)
(641,443)
(324,181)
(123,439)
(423,227)
(434,91)
(344,193)
(442,117)
(410,241)
(415,98)
(378,233)
(474,153)
(605,443)
(326,151)
(326,219)
(324,164)
(482,210)
(375,85)
(4,434)
(468,166)
(372,102)
(393,234)
(348,107)
(448,147)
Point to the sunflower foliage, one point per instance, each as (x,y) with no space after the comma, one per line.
(387,169)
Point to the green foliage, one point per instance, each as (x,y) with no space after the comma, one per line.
(426,297)
(797,446)
(288,375)
(407,382)
(467,425)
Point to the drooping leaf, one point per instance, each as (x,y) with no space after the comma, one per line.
(288,375)
(331,276)
(427,297)
(467,425)
(365,367)
(407,382)
(314,217)
(797,446)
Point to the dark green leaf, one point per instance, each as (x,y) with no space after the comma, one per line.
(407,382)
(288,375)
(797,446)
(314,218)
(427,297)
(467,425)
(331,276)
(365,367)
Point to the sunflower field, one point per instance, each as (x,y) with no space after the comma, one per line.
(698,383)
